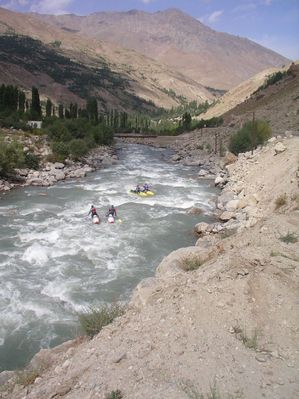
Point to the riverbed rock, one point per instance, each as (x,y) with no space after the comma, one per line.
(195,211)
(58,165)
(202,173)
(232,205)
(279,148)
(225,216)
(201,228)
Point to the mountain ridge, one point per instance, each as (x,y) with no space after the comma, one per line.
(179,41)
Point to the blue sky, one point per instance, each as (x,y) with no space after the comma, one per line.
(272,23)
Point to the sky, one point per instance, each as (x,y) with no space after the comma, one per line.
(271,23)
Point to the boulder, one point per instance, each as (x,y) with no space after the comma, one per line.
(219,180)
(279,148)
(229,158)
(232,205)
(5,376)
(202,173)
(226,215)
(201,228)
(58,174)
(58,165)
(194,211)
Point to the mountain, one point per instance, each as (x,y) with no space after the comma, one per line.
(47,55)
(215,59)
(276,103)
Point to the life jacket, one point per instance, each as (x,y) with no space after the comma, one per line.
(93,211)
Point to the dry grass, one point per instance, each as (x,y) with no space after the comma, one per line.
(250,342)
(94,319)
(26,377)
(189,264)
(280,201)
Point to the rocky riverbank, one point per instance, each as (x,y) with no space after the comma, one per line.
(52,172)
(230,323)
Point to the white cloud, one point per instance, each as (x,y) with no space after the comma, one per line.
(211,18)
(51,6)
(147,1)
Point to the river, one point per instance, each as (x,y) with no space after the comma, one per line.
(55,263)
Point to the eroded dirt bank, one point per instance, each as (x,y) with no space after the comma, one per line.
(233,321)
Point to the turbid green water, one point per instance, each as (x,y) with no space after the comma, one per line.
(54,262)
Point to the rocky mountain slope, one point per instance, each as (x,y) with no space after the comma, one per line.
(278,103)
(231,324)
(214,59)
(144,78)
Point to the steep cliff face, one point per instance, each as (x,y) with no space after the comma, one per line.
(214,59)
(232,322)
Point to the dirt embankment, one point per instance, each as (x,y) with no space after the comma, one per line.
(232,323)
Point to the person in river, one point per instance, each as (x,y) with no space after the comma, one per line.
(93,212)
(146,188)
(137,189)
(112,211)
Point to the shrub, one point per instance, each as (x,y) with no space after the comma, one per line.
(11,157)
(250,342)
(250,136)
(289,238)
(26,377)
(78,148)
(189,264)
(114,395)
(31,161)
(280,201)
(94,319)
(60,150)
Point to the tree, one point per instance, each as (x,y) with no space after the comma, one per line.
(22,99)
(92,110)
(60,111)
(251,135)
(186,121)
(48,108)
(36,111)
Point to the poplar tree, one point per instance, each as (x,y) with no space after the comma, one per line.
(36,111)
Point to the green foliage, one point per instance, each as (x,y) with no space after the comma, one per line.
(272,79)
(35,110)
(250,136)
(94,319)
(289,238)
(61,150)
(114,395)
(78,148)
(186,121)
(31,161)
(251,342)
(11,157)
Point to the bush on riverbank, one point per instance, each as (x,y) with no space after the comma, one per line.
(94,319)
(74,138)
(11,157)
(251,135)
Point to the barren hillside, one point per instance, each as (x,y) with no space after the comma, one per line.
(214,59)
(146,78)
(278,103)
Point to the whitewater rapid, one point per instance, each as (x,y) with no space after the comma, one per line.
(54,262)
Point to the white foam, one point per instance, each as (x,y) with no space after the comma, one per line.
(36,253)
